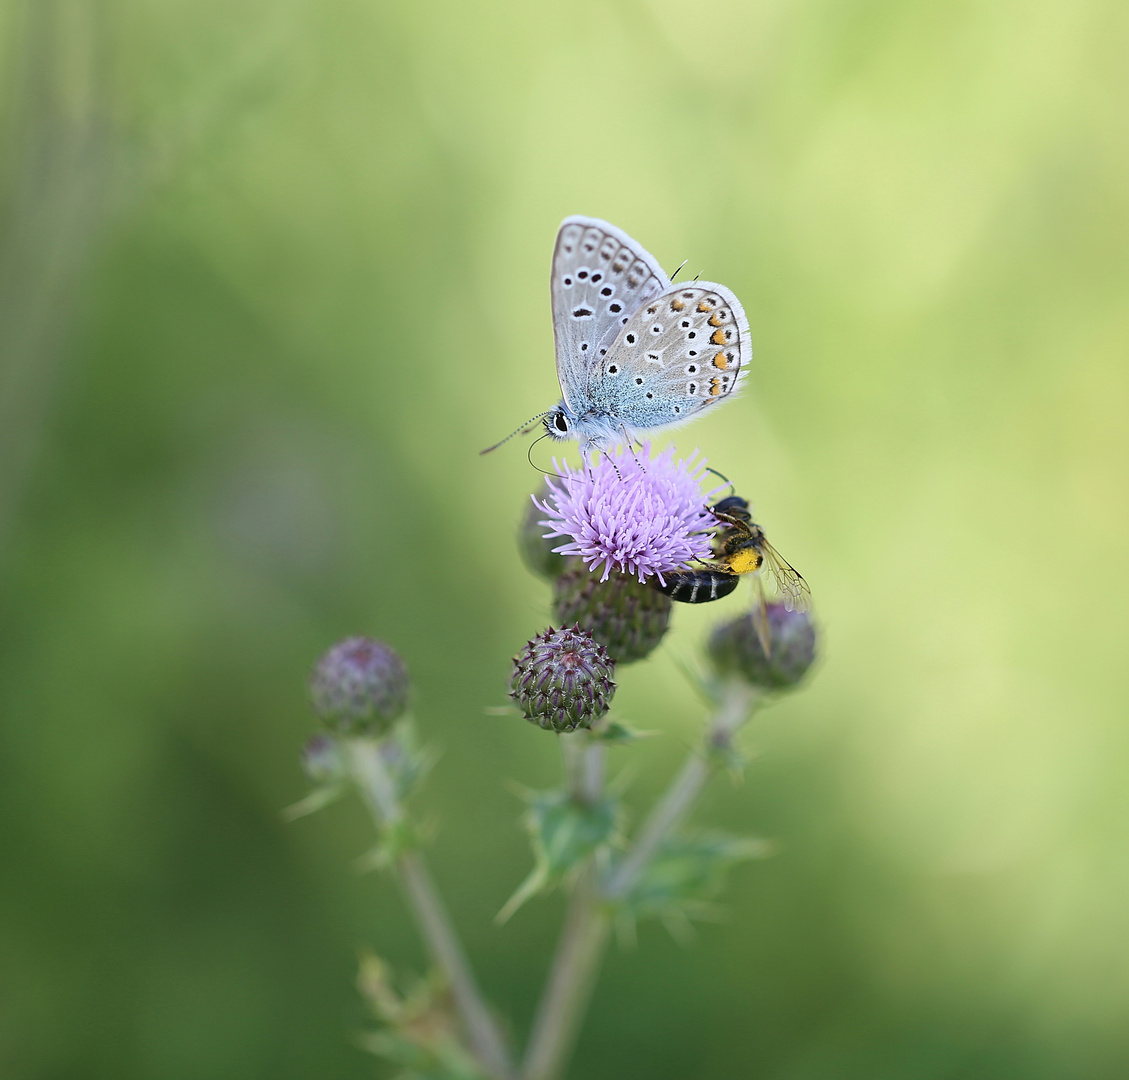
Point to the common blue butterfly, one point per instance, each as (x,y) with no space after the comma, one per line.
(635,353)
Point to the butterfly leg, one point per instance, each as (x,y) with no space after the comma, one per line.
(631,443)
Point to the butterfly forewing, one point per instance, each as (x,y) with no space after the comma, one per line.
(679,353)
(600,277)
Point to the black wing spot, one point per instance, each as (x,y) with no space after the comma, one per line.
(615,309)
(584,346)
(568,281)
(692,369)
(638,382)
(649,394)
(607,290)
(581,274)
(582,313)
(693,334)
(597,277)
(630,339)
(612,369)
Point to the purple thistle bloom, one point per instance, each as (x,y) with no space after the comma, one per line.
(649,518)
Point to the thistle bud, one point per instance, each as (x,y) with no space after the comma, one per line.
(628,618)
(359,687)
(322,760)
(536,550)
(735,648)
(562,680)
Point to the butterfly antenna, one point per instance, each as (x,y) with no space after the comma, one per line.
(675,274)
(527,426)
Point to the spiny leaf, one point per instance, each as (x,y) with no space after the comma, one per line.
(687,872)
(564,832)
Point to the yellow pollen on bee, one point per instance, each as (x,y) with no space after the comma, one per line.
(721,361)
(715,319)
(747,561)
(718,337)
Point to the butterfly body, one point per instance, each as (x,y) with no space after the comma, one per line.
(635,353)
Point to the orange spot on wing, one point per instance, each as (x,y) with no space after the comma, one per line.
(715,319)
(705,305)
(721,362)
(715,387)
(718,337)
(676,304)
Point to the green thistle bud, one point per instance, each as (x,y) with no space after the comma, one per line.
(562,680)
(359,687)
(536,552)
(628,618)
(322,760)
(735,648)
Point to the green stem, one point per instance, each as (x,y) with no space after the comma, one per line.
(736,706)
(431,916)
(576,963)
(572,977)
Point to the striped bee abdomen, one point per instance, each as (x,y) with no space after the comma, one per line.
(697,586)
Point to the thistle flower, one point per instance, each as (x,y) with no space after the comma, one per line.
(640,517)
(359,687)
(735,648)
(629,619)
(562,680)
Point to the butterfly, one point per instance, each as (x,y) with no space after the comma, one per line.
(635,353)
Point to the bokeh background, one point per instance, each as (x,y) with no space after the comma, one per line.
(275,270)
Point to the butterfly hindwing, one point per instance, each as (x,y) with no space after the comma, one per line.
(600,278)
(682,351)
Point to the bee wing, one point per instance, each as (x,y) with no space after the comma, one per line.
(760,616)
(794,591)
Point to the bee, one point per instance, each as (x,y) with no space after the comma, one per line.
(739,547)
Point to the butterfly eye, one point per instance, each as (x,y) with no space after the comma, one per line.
(560,423)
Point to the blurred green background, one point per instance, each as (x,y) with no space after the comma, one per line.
(273,273)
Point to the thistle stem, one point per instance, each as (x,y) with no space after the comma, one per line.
(576,963)
(431,916)
(736,706)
